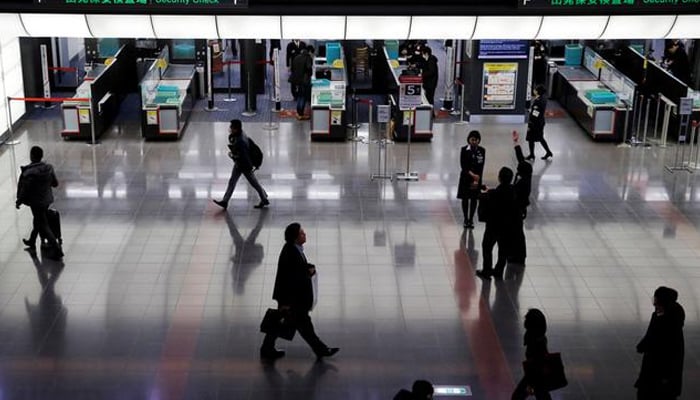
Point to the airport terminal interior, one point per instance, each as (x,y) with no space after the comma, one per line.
(161,292)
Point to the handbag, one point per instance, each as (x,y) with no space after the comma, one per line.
(277,322)
(547,373)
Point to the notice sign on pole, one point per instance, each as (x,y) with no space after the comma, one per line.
(410,92)
(383,113)
(686,107)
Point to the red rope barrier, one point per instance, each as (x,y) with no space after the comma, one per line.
(365,101)
(241,62)
(50,99)
(65,69)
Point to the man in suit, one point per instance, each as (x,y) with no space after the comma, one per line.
(429,72)
(294,294)
(501,218)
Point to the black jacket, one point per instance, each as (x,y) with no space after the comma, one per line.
(470,161)
(523,181)
(663,348)
(535,122)
(302,68)
(240,152)
(35,183)
(293,50)
(500,209)
(293,285)
(429,72)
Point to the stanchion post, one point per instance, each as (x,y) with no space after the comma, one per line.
(93,141)
(210,89)
(270,126)
(228,72)
(656,117)
(646,123)
(11,141)
(624,129)
(461,106)
(408,175)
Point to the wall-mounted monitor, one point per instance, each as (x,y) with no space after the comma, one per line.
(150,44)
(182,50)
(507,49)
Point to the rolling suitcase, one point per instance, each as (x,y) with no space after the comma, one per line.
(54,218)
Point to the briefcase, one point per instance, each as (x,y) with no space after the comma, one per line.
(278,323)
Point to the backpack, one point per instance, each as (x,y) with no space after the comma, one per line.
(255,154)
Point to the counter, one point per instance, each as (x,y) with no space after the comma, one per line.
(96,94)
(328,100)
(167,100)
(420,121)
(602,121)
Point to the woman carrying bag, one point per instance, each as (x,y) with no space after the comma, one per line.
(544,371)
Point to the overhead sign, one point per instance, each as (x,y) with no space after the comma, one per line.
(610,5)
(131,5)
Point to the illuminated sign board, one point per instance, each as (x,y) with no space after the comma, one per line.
(126,5)
(610,5)
(503,49)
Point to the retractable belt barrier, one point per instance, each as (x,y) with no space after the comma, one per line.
(460,83)
(10,139)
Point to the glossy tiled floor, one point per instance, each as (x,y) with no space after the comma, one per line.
(161,294)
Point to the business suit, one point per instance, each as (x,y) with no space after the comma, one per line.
(501,217)
(294,289)
(522,186)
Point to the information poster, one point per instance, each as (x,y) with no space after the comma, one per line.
(498,86)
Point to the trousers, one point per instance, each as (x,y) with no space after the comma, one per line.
(303,325)
(250,176)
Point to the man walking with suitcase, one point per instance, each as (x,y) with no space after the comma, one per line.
(34,190)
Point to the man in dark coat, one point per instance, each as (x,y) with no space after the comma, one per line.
(302,68)
(522,186)
(501,216)
(294,48)
(677,61)
(242,165)
(34,190)
(663,347)
(471,160)
(429,73)
(294,294)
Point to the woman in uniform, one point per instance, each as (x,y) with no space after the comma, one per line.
(471,158)
(535,123)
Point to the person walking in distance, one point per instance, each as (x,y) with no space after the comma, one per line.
(294,293)
(500,214)
(34,189)
(242,165)
(535,123)
(663,347)
(471,159)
